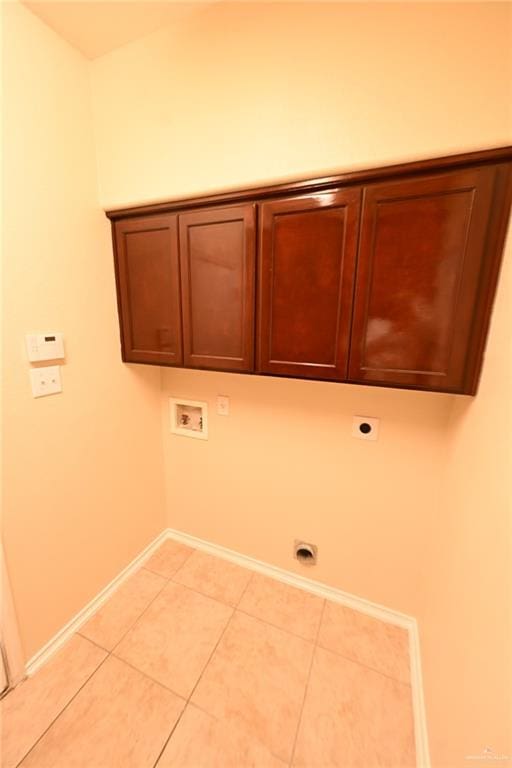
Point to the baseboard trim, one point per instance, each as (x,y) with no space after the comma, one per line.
(374,610)
(418,699)
(287,577)
(57,641)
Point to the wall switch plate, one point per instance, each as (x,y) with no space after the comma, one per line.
(223,405)
(44,346)
(365,428)
(46,380)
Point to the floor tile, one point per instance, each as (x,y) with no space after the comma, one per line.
(175,637)
(214,577)
(28,710)
(202,741)
(354,717)
(286,607)
(120,719)
(379,645)
(168,558)
(118,614)
(256,678)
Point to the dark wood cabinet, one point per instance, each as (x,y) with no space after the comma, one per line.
(422,247)
(306,274)
(217,258)
(384,277)
(148,287)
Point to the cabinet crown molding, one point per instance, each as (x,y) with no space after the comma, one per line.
(323,183)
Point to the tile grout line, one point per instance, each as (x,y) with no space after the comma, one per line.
(148,677)
(142,613)
(110,653)
(276,626)
(180,566)
(164,747)
(209,597)
(36,742)
(315,645)
(283,629)
(211,655)
(249,581)
(366,666)
(183,564)
(188,700)
(93,642)
(236,606)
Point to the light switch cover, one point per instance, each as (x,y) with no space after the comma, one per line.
(46,380)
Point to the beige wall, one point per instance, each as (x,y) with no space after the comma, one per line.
(83,480)
(283,466)
(466,621)
(233,96)
(240,94)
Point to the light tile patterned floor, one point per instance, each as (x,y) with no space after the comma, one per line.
(197,663)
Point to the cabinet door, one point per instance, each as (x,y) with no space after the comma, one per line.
(217,257)
(420,258)
(149,289)
(308,251)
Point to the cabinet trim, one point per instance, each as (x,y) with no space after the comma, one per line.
(246,215)
(324,183)
(348,201)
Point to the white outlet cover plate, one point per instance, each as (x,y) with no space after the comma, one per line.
(223,405)
(45,380)
(373,423)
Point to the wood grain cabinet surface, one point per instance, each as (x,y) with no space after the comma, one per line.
(421,253)
(217,260)
(308,247)
(148,289)
(383,277)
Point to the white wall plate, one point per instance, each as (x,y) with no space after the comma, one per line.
(44,346)
(45,380)
(189,418)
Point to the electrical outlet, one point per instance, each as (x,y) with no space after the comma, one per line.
(365,428)
(223,405)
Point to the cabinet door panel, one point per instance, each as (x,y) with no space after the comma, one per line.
(308,249)
(217,255)
(421,253)
(149,289)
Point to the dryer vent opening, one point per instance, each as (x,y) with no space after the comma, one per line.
(305,553)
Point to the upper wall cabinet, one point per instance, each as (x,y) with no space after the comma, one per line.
(384,277)
(306,277)
(148,289)
(418,278)
(217,259)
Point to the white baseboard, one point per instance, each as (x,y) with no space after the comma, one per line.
(418,699)
(287,577)
(343,598)
(58,640)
